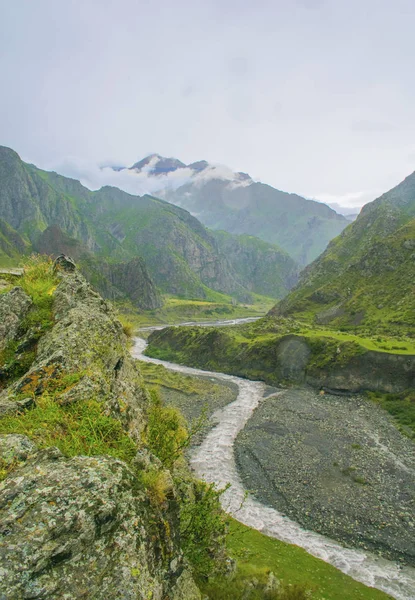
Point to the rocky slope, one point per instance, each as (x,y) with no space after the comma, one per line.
(181,255)
(365,280)
(114,280)
(262,267)
(77,516)
(235,203)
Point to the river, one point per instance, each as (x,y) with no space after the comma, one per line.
(214,462)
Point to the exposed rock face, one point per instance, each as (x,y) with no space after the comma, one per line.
(86,526)
(114,281)
(81,528)
(133,279)
(14,306)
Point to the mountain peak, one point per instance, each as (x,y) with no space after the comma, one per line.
(158,165)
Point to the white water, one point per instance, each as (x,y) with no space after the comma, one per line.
(213,461)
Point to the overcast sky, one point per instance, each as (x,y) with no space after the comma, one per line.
(311,96)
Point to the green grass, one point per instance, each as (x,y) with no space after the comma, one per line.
(81,428)
(257,555)
(176,310)
(401,407)
(39,282)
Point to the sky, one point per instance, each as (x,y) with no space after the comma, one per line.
(315,97)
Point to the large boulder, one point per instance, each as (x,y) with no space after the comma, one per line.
(83,527)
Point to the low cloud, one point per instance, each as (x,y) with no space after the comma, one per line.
(142,182)
(349,203)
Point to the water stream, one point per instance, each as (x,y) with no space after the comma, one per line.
(214,462)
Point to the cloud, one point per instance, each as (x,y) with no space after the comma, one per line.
(368,126)
(94,176)
(348,203)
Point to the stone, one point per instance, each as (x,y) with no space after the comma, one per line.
(15,447)
(14,306)
(82,528)
(64,263)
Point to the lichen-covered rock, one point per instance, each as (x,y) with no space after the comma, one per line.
(87,340)
(15,447)
(84,528)
(14,306)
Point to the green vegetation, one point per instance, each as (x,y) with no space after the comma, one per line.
(167,434)
(177,310)
(39,282)
(364,282)
(301,575)
(108,227)
(78,428)
(298,226)
(401,407)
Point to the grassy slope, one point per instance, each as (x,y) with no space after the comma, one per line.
(365,280)
(258,554)
(300,227)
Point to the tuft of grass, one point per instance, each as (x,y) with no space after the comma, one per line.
(78,428)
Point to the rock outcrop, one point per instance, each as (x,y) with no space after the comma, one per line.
(77,526)
(83,528)
(14,306)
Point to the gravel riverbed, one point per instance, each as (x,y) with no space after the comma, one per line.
(336,465)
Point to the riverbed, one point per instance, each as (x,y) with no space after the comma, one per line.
(214,461)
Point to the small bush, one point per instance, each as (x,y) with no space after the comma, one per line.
(167,435)
(157,483)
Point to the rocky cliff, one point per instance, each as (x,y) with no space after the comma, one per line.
(77,517)
(114,280)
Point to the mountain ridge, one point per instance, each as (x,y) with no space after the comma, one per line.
(234,202)
(181,255)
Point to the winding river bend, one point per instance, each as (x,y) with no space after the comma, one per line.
(214,462)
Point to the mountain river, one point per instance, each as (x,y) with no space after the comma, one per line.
(214,462)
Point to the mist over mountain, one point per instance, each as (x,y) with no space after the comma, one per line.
(232,201)
(107,230)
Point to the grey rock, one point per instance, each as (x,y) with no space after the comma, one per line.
(15,447)
(14,306)
(83,528)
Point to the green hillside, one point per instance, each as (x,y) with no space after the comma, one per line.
(301,227)
(365,280)
(182,257)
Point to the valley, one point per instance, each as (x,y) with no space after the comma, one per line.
(214,460)
(291,393)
